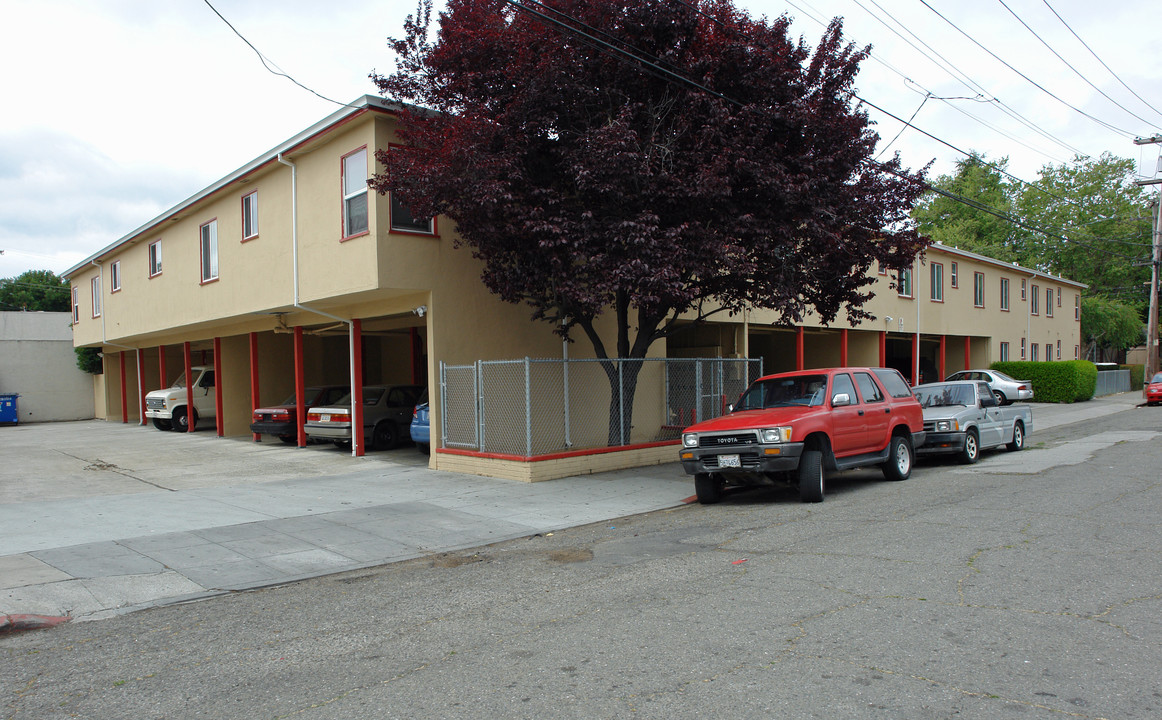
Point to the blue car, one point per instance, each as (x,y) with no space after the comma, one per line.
(421,431)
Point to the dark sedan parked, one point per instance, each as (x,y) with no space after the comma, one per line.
(279,420)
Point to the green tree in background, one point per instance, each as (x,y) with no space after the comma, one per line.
(954,223)
(1107,327)
(35,290)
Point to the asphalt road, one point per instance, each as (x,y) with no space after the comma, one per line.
(1028,586)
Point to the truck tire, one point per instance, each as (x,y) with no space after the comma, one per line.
(182,421)
(708,488)
(971,450)
(1018,442)
(899,463)
(812,483)
(162,424)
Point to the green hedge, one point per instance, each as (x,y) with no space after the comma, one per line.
(1137,376)
(1057,382)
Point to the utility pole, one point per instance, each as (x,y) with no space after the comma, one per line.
(1155,259)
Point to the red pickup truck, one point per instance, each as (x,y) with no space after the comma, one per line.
(800,425)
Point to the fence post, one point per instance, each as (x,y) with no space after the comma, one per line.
(528,412)
(568,438)
(620,403)
(443,405)
(697,391)
(480,405)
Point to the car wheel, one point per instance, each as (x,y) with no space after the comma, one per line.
(1018,442)
(182,420)
(812,483)
(899,463)
(971,450)
(1000,396)
(384,437)
(708,487)
(162,424)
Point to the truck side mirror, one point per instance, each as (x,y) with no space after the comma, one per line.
(730,408)
(840,399)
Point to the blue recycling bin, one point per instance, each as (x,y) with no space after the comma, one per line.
(8,413)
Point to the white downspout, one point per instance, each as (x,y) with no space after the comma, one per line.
(104,341)
(356,437)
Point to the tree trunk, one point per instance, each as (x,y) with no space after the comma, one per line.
(622,375)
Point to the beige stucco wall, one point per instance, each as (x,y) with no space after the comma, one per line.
(38,363)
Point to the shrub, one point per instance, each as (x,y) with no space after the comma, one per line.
(1061,381)
(89,360)
(1137,376)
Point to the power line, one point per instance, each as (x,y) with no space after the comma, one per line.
(1032,82)
(1075,70)
(1095,56)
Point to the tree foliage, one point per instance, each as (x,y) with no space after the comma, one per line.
(89,360)
(954,223)
(1109,326)
(35,290)
(588,183)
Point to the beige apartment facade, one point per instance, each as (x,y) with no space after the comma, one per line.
(290,271)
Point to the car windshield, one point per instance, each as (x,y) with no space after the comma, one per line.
(1157,378)
(945,395)
(809,390)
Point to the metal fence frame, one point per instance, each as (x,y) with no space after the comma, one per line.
(1110,382)
(466,422)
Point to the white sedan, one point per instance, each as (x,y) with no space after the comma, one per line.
(1006,389)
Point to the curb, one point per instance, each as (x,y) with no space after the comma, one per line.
(16,623)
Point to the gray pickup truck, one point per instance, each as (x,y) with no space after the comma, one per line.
(963,418)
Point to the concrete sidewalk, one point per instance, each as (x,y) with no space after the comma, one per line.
(84,534)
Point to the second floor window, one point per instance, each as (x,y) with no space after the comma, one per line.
(1076,307)
(953,276)
(978,289)
(115,276)
(96,288)
(1048,302)
(904,283)
(1022,289)
(1034,304)
(355,193)
(937,281)
(210,251)
(155,258)
(1004,293)
(76,306)
(250,216)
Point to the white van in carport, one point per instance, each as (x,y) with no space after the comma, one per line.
(167,408)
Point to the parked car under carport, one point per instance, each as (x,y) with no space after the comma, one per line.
(281,420)
(387,411)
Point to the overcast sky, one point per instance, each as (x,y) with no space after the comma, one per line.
(120,109)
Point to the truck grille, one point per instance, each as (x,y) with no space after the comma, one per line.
(155,403)
(749,461)
(728,440)
(929,426)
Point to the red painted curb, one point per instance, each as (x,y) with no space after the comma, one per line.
(16,623)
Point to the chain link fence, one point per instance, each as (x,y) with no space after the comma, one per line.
(1110,382)
(537,407)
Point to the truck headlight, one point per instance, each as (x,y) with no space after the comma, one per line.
(776,434)
(690,439)
(947,426)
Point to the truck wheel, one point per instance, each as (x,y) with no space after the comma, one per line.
(181,420)
(1018,442)
(162,424)
(899,463)
(708,487)
(811,481)
(971,450)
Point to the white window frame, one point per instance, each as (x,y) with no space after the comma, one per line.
(155,258)
(1048,302)
(904,283)
(1035,300)
(250,216)
(1022,348)
(76,305)
(354,187)
(1058,349)
(114,276)
(208,250)
(954,276)
(1022,289)
(978,289)
(937,278)
(95,289)
(1077,307)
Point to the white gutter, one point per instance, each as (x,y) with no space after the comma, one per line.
(356,434)
(104,341)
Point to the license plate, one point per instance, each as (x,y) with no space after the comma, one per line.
(324,418)
(729,461)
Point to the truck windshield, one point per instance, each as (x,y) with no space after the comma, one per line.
(945,395)
(180,382)
(804,390)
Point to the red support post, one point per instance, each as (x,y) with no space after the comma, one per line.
(300,387)
(141,386)
(357,391)
(255,398)
(843,347)
(799,348)
(124,390)
(190,415)
(967,353)
(219,421)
